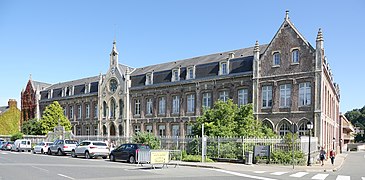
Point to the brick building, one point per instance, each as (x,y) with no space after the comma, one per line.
(288,81)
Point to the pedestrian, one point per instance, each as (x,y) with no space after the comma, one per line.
(322,155)
(332,156)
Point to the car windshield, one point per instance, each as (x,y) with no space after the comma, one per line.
(99,144)
(70,142)
(49,144)
(10,142)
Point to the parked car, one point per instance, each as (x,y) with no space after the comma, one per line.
(127,152)
(91,149)
(42,147)
(22,145)
(62,147)
(7,145)
(2,142)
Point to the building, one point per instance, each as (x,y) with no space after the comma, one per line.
(347,133)
(9,118)
(30,100)
(289,82)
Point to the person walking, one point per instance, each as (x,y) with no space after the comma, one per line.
(332,156)
(322,155)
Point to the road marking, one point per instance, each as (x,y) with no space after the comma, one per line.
(40,168)
(339,177)
(278,173)
(363,178)
(4,153)
(68,177)
(320,176)
(299,174)
(259,172)
(242,175)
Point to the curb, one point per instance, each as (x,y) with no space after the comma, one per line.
(200,165)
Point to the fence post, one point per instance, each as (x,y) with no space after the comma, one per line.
(243,148)
(218,147)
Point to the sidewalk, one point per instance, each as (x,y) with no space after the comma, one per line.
(272,167)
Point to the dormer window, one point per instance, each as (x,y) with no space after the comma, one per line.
(190,72)
(223,67)
(276,58)
(295,56)
(175,75)
(149,79)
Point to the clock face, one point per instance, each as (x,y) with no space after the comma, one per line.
(113,85)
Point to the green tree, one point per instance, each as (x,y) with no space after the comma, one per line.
(32,127)
(51,116)
(227,119)
(147,138)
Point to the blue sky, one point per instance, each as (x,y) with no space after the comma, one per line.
(58,41)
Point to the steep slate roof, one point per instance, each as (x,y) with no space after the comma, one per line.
(41,85)
(123,68)
(74,82)
(3,109)
(245,52)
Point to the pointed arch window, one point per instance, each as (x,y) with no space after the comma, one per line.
(104,109)
(284,128)
(112,108)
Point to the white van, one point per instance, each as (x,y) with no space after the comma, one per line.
(22,145)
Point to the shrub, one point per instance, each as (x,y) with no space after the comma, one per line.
(16,136)
(285,157)
(147,138)
(195,158)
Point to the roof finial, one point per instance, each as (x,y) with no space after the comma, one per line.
(286,14)
(257,47)
(30,76)
(320,35)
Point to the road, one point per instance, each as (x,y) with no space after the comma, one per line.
(14,165)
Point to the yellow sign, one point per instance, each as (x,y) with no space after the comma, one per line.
(159,157)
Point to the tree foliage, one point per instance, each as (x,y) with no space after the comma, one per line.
(32,127)
(227,119)
(16,136)
(51,115)
(147,138)
(357,118)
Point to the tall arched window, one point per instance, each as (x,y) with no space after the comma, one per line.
(112,108)
(121,106)
(112,130)
(267,124)
(284,128)
(104,109)
(120,127)
(303,130)
(104,130)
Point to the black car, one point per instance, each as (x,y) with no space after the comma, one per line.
(127,152)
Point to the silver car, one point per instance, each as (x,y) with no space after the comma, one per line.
(62,147)
(42,147)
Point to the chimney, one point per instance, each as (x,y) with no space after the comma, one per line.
(12,103)
(231,55)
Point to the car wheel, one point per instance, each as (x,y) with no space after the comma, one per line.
(104,157)
(132,160)
(87,155)
(73,154)
(33,151)
(49,152)
(42,151)
(112,157)
(59,152)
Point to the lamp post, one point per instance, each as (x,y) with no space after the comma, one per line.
(341,145)
(334,141)
(309,127)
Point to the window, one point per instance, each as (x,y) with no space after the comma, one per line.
(87,130)
(276,58)
(295,56)
(87,109)
(95,130)
(149,129)
(242,97)
(175,130)
(112,108)
(79,111)
(223,68)
(303,130)
(190,73)
(95,110)
(207,100)
(175,104)
(149,107)
(223,96)
(189,130)
(149,78)
(285,91)
(161,105)
(161,130)
(175,75)
(191,103)
(137,107)
(304,94)
(266,96)
(64,112)
(137,129)
(284,129)
(104,109)
(78,130)
(71,112)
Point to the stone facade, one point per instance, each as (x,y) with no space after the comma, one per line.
(288,81)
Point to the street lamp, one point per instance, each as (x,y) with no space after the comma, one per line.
(309,127)
(334,141)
